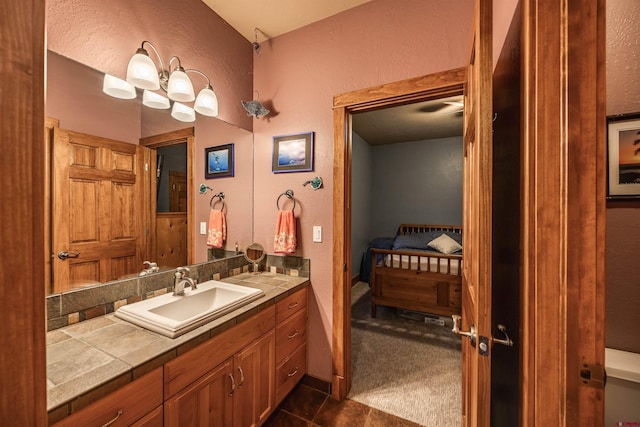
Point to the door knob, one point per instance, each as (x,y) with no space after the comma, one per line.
(506,340)
(66,254)
(471,334)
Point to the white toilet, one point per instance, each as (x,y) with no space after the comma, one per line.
(622,392)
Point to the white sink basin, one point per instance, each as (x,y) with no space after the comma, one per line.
(173,316)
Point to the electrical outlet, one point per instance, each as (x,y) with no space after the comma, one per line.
(203,228)
(317,233)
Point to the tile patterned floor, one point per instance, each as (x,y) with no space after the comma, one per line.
(306,407)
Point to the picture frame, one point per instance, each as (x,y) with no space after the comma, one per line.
(218,161)
(293,153)
(623,156)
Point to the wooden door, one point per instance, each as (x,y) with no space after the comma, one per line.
(95,210)
(477,211)
(207,402)
(177,191)
(254,368)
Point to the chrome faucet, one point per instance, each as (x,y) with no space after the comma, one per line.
(182,280)
(152,267)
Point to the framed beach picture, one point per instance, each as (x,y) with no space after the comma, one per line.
(218,161)
(623,152)
(293,153)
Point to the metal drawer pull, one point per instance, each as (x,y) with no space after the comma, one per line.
(292,305)
(293,334)
(233,385)
(120,412)
(241,376)
(291,374)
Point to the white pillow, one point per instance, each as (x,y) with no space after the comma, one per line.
(445,244)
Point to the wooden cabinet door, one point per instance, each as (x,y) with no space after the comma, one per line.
(207,402)
(254,370)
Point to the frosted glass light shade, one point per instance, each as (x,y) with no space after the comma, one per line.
(153,100)
(142,72)
(183,113)
(118,88)
(179,87)
(207,103)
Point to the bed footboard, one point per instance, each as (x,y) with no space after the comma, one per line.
(414,280)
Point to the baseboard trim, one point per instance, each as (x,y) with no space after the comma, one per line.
(355,279)
(317,383)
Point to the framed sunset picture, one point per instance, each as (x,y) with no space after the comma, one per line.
(623,144)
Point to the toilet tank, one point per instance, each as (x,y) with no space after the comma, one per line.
(622,392)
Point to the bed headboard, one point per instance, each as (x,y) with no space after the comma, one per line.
(423,228)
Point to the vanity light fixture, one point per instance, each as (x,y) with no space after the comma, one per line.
(143,73)
(118,88)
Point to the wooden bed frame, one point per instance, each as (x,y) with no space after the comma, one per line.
(429,290)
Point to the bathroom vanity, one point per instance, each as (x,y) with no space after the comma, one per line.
(233,371)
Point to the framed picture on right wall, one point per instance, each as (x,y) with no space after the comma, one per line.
(623,156)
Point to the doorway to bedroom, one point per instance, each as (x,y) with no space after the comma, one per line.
(406,168)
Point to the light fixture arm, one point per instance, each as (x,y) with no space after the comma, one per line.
(193,70)
(162,69)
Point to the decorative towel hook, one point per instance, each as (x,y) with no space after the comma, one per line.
(289,195)
(315,183)
(204,188)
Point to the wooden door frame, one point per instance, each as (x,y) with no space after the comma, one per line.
(433,86)
(563,214)
(180,136)
(23,399)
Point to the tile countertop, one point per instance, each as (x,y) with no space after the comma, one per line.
(90,359)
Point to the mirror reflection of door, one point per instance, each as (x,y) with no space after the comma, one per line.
(171,206)
(95,218)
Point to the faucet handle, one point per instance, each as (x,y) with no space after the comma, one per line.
(182,271)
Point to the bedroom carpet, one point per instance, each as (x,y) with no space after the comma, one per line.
(404,367)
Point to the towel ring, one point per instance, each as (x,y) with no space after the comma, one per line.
(289,195)
(220,196)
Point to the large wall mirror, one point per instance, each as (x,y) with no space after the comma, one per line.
(150,209)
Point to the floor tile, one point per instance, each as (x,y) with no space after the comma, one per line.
(345,413)
(304,402)
(382,419)
(282,418)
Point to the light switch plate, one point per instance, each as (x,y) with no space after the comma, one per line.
(203,228)
(317,233)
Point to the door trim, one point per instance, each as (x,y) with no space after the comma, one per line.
(432,86)
(563,215)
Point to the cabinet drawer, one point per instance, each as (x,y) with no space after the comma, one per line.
(290,372)
(291,304)
(291,334)
(129,404)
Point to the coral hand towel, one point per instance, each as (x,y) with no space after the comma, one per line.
(217,229)
(284,241)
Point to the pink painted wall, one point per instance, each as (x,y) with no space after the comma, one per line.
(299,73)
(623,217)
(238,190)
(105,34)
(75,98)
